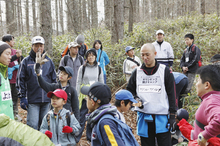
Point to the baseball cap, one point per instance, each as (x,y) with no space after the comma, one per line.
(73,44)
(37,39)
(216,57)
(160,31)
(128,48)
(59,93)
(125,95)
(67,69)
(97,90)
(182,114)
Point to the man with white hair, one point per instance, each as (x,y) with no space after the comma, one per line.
(32,97)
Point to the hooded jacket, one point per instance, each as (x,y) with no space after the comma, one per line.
(27,84)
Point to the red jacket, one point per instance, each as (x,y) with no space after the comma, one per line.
(15,62)
(209,115)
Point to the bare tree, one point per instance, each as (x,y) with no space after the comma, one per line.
(94,13)
(18,18)
(89,13)
(27,15)
(131,15)
(10,19)
(217,7)
(193,6)
(80,23)
(61,15)
(46,25)
(118,25)
(1,19)
(84,15)
(202,9)
(57,22)
(34,18)
(69,5)
(108,13)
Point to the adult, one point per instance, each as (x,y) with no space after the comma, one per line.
(38,103)
(73,60)
(181,82)
(164,50)
(189,62)
(6,106)
(88,74)
(215,60)
(80,39)
(153,84)
(16,57)
(102,57)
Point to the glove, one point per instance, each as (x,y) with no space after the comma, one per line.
(23,103)
(214,141)
(171,122)
(37,68)
(67,129)
(48,134)
(193,143)
(185,128)
(40,59)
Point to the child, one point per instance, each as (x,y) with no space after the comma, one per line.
(65,75)
(123,102)
(55,123)
(131,62)
(177,137)
(190,60)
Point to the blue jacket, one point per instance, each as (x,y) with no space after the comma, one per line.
(27,83)
(104,60)
(56,126)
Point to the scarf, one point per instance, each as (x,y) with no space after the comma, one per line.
(93,118)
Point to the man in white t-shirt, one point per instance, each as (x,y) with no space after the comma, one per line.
(131,62)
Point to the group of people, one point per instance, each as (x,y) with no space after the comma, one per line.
(81,93)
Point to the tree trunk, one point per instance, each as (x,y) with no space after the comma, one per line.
(131,16)
(75,15)
(137,9)
(202,9)
(34,18)
(193,6)
(1,31)
(108,13)
(57,22)
(27,15)
(21,20)
(84,17)
(61,15)
(179,7)
(118,25)
(80,19)
(10,19)
(46,25)
(18,19)
(69,5)
(217,7)
(89,14)
(154,8)
(94,13)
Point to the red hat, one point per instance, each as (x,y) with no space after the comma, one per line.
(59,93)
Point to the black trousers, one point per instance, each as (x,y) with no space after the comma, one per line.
(14,94)
(180,89)
(163,139)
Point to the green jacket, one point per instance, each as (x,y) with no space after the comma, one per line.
(18,134)
(6,105)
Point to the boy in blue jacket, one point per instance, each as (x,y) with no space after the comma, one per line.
(56,124)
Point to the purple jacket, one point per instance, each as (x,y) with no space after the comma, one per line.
(209,115)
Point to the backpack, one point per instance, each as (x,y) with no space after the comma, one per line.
(66,50)
(66,58)
(83,70)
(200,57)
(124,130)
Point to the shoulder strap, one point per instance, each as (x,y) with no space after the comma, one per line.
(193,48)
(48,121)
(68,118)
(99,70)
(83,71)
(100,55)
(81,59)
(138,64)
(65,60)
(202,126)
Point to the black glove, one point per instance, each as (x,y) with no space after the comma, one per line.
(23,103)
(37,68)
(171,122)
(139,100)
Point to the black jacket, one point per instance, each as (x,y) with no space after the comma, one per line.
(72,100)
(169,84)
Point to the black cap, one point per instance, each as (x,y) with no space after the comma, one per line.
(182,114)
(216,57)
(67,69)
(92,50)
(99,90)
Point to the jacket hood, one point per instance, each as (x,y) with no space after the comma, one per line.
(4,120)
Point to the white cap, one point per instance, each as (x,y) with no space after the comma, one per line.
(160,31)
(73,44)
(38,39)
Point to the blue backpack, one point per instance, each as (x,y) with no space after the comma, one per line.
(124,130)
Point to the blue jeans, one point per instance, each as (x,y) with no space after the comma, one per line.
(36,113)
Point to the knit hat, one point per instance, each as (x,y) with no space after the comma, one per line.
(80,39)
(92,50)
(216,57)
(182,114)
(3,47)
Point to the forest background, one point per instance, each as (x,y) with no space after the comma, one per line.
(125,22)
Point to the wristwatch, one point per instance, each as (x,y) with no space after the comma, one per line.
(201,138)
